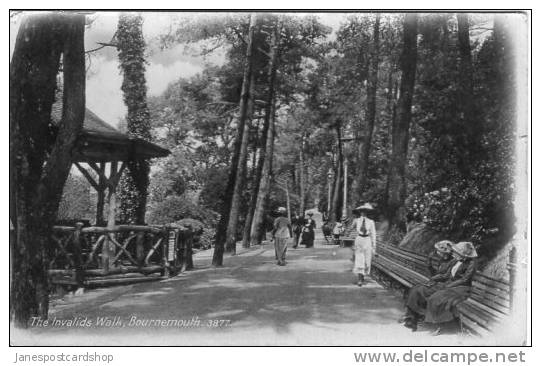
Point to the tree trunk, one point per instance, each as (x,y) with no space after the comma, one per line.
(246,95)
(466,102)
(335,211)
(396,180)
(257,229)
(221,231)
(271,76)
(258,168)
(40,157)
(302,177)
(133,190)
(370,116)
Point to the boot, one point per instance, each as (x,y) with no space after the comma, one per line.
(361,280)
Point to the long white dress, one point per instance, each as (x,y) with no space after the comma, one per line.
(365,244)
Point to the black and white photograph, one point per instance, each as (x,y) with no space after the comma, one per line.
(269,178)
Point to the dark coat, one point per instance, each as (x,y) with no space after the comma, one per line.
(438,264)
(437,300)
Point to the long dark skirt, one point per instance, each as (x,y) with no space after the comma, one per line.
(436,302)
(441,306)
(307,238)
(418,295)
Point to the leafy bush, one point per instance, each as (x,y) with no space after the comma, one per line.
(175,208)
(204,235)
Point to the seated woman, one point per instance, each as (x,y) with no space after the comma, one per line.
(440,258)
(439,262)
(437,300)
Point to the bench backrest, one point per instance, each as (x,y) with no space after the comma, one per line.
(411,260)
(494,293)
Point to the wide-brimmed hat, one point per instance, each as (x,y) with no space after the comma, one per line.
(344,218)
(465,249)
(366,207)
(281,210)
(444,246)
(310,213)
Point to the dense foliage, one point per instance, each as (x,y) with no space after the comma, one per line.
(459,171)
(131,54)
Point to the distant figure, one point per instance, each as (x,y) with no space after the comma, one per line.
(308,235)
(297,224)
(365,242)
(436,300)
(327,230)
(280,235)
(338,230)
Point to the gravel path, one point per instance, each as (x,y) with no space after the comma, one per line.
(249,301)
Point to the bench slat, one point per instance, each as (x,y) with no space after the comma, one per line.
(476,314)
(393,275)
(419,278)
(495,314)
(482,288)
(502,307)
(493,279)
(403,251)
(473,326)
(491,282)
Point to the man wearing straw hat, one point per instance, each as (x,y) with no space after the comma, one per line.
(280,235)
(365,242)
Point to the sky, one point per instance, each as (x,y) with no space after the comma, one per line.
(103,94)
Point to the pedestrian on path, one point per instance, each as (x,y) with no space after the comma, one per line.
(308,234)
(281,234)
(338,230)
(365,242)
(297,224)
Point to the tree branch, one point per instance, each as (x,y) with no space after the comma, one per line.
(264,52)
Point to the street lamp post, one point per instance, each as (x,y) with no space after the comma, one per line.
(344,206)
(329,180)
(345,195)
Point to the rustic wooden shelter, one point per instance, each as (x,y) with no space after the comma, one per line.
(110,253)
(106,151)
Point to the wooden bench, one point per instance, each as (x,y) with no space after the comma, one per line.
(405,269)
(488,304)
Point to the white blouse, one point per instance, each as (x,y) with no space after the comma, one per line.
(370,228)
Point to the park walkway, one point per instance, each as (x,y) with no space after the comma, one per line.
(311,301)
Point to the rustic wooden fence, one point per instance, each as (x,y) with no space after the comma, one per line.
(89,256)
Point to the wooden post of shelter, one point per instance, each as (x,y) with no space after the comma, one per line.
(100,189)
(78,258)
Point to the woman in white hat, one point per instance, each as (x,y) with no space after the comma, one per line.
(437,301)
(280,235)
(365,243)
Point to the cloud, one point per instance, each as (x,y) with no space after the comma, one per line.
(159,76)
(103,94)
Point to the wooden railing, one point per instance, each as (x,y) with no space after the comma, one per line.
(84,256)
